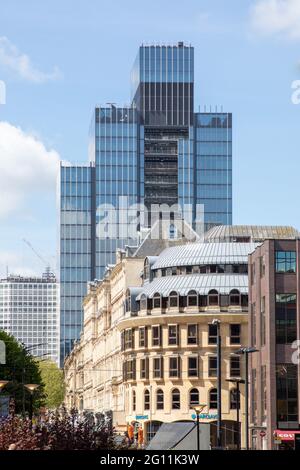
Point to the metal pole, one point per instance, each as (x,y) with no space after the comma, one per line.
(238,415)
(198,433)
(246,400)
(219,389)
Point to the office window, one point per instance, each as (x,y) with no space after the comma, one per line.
(173,333)
(144,368)
(129,339)
(212,334)
(159,399)
(193,366)
(285,261)
(158,368)
(194,397)
(174,367)
(235,334)
(234,399)
(286,318)
(129,369)
(235,370)
(262,266)
(212,366)
(156,335)
(192,334)
(213,399)
(263,321)
(253,397)
(253,324)
(263,376)
(253,273)
(143,337)
(287,394)
(176,399)
(133,400)
(146,400)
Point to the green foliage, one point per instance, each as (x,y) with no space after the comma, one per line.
(20,368)
(53,381)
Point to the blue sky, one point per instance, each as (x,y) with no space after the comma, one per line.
(58,59)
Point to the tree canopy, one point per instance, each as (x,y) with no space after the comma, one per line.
(53,380)
(20,368)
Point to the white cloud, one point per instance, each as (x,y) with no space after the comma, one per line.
(26,168)
(277,17)
(12,59)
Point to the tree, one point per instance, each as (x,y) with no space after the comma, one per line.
(53,381)
(20,368)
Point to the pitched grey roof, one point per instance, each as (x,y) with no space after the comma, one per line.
(205,253)
(227,233)
(201,283)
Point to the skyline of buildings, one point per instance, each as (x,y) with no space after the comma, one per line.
(156,151)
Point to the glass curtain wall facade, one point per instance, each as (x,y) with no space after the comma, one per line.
(155,151)
(76,248)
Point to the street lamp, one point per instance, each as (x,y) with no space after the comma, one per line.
(3,383)
(217,323)
(246,351)
(237,381)
(31,389)
(198,410)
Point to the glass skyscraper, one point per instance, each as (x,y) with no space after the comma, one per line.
(157,151)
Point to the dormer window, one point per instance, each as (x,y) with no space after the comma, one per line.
(192,299)
(213,298)
(157,300)
(235,297)
(173,299)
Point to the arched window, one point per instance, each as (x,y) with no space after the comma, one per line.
(213,297)
(234,399)
(156,300)
(235,297)
(194,397)
(146,400)
(173,299)
(172,231)
(133,400)
(146,269)
(192,298)
(159,399)
(143,302)
(213,399)
(175,399)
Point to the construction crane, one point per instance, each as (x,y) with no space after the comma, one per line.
(49,271)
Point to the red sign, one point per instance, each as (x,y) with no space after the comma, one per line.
(262,433)
(286,435)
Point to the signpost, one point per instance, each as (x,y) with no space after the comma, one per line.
(205,416)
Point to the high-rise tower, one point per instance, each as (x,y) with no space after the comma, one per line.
(155,151)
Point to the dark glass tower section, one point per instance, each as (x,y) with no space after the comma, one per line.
(155,151)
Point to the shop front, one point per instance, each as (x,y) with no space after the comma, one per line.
(286,439)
